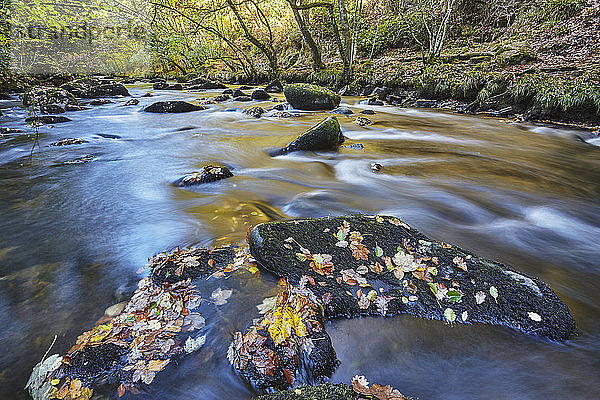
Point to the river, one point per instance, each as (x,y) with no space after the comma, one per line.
(73,237)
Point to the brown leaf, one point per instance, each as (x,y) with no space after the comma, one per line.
(121,390)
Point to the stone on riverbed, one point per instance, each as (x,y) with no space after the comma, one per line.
(41,95)
(255,112)
(274,87)
(48,119)
(325,136)
(303,96)
(208,174)
(260,94)
(176,106)
(338,391)
(389,268)
(51,109)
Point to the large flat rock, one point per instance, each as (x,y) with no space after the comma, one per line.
(378,265)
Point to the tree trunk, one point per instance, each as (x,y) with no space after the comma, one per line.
(314,49)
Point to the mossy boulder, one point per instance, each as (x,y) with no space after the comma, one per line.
(42,95)
(326,136)
(303,96)
(176,106)
(390,268)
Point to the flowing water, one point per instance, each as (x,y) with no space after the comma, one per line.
(74,236)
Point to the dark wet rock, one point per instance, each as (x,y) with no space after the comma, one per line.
(311,97)
(362,121)
(78,86)
(242,98)
(326,136)
(74,107)
(368,112)
(109,136)
(284,114)
(221,98)
(376,167)
(239,93)
(48,119)
(274,87)
(325,391)
(374,101)
(132,102)
(228,91)
(148,94)
(342,110)
(68,141)
(166,86)
(255,112)
(260,94)
(390,268)
(100,102)
(354,146)
(381,92)
(279,107)
(105,90)
(81,160)
(206,86)
(424,103)
(208,174)
(167,268)
(51,109)
(176,106)
(270,356)
(42,95)
(9,131)
(5,96)
(196,81)
(337,391)
(395,99)
(245,87)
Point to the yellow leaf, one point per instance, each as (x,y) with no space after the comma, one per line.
(55,382)
(100,332)
(157,365)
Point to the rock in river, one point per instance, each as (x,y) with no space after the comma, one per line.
(208,174)
(303,96)
(255,112)
(42,95)
(176,106)
(260,94)
(390,268)
(48,119)
(326,136)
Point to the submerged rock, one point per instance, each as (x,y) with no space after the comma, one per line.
(48,119)
(208,174)
(166,86)
(68,141)
(368,112)
(342,110)
(74,107)
(390,268)
(303,96)
(175,106)
(255,112)
(100,102)
(326,136)
(221,98)
(424,103)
